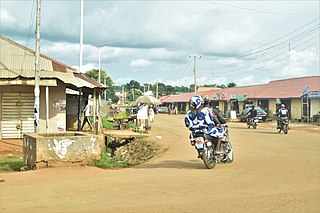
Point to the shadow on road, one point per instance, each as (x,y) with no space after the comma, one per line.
(173,164)
(262,132)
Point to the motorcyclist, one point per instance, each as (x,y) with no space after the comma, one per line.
(199,119)
(251,114)
(281,114)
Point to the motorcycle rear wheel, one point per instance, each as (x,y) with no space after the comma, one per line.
(285,129)
(208,158)
(230,155)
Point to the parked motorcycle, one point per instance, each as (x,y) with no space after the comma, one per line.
(253,122)
(284,125)
(205,145)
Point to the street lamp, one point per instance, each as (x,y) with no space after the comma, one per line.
(98,46)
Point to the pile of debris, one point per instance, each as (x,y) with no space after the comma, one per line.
(136,151)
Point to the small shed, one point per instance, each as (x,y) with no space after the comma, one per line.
(17,65)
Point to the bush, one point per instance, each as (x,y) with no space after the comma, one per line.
(13,163)
(106,162)
(106,124)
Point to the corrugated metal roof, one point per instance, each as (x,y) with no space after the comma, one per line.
(17,57)
(288,88)
(84,78)
(19,61)
(67,78)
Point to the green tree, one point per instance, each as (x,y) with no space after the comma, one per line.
(232,84)
(105,79)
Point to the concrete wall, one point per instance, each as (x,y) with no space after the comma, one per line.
(272,107)
(63,147)
(57,101)
(315,107)
(0,113)
(57,110)
(295,109)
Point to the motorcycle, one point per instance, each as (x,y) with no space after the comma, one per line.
(205,145)
(253,122)
(284,125)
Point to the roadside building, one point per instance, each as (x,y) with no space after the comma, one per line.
(17,71)
(300,95)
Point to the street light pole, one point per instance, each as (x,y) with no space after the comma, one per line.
(105,92)
(98,46)
(37,71)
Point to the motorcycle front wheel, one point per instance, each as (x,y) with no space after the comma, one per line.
(285,129)
(208,158)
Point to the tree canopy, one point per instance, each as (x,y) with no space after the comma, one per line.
(134,89)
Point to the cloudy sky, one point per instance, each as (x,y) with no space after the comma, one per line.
(246,42)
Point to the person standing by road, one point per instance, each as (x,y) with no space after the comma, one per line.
(86,113)
(151,114)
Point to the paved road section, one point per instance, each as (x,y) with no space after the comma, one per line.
(271,173)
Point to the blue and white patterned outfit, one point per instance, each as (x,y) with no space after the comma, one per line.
(201,120)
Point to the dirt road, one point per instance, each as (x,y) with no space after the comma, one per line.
(271,173)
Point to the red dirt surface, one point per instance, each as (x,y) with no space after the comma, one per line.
(271,172)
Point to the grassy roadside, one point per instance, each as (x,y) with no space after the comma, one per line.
(12,163)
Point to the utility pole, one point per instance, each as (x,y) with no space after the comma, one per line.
(98,46)
(123,98)
(105,91)
(157,89)
(81,33)
(194,72)
(37,71)
(289,47)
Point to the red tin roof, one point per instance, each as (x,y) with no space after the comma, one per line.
(287,88)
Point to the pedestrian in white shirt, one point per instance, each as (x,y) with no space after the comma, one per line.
(86,113)
(151,114)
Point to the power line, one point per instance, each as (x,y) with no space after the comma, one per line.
(260,11)
(274,49)
(260,62)
(273,61)
(183,69)
(273,41)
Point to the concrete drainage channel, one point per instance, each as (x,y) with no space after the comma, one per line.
(60,147)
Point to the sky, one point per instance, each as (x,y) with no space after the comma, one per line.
(218,42)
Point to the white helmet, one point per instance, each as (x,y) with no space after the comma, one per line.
(196,101)
(283,106)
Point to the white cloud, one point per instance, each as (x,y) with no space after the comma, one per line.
(300,62)
(85,67)
(156,37)
(121,81)
(247,80)
(7,20)
(139,63)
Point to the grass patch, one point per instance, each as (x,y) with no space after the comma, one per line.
(141,136)
(106,124)
(12,163)
(106,162)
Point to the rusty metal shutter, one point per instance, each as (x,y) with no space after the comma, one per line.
(17,114)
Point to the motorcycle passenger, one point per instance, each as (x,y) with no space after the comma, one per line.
(282,113)
(218,119)
(199,119)
(251,114)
